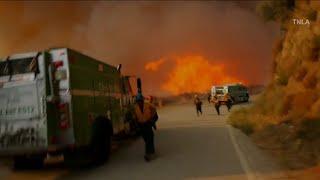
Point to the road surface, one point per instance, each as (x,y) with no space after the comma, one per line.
(188,147)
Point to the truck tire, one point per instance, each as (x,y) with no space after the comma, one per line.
(71,158)
(100,141)
(32,162)
(233,100)
(247,98)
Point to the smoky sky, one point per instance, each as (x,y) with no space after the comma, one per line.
(133,33)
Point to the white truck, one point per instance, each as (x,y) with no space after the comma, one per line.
(237,91)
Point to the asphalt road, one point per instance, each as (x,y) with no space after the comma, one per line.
(188,147)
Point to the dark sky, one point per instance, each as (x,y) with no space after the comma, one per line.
(134,33)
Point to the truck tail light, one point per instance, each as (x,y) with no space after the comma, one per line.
(60,75)
(62,106)
(63,117)
(64,124)
(53,139)
(72,146)
(58,64)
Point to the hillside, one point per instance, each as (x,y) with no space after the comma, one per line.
(286,117)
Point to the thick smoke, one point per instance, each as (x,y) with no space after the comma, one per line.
(133,33)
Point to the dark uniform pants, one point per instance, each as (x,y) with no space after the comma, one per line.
(148,137)
(229,104)
(217,106)
(199,109)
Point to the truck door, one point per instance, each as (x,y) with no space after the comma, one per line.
(23,124)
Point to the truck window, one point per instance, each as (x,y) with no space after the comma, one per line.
(232,89)
(18,66)
(219,90)
(242,88)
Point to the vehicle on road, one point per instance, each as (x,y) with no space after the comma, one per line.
(60,101)
(237,91)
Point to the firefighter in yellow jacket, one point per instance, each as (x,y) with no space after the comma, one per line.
(228,100)
(216,103)
(146,116)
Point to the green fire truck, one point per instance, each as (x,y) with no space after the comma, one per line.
(59,101)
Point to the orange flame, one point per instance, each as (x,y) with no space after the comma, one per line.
(195,74)
(154,65)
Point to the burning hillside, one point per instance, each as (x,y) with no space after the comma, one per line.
(293,94)
(192,74)
(290,105)
(154,65)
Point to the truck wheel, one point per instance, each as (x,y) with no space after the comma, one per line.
(100,141)
(23,162)
(247,98)
(233,100)
(70,158)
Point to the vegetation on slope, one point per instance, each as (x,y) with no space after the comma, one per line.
(292,98)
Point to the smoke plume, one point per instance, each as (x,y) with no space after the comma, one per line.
(134,33)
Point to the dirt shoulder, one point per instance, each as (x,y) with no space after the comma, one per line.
(261,164)
(299,156)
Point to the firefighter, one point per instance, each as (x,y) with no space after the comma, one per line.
(228,100)
(198,104)
(146,116)
(209,98)
(216,103)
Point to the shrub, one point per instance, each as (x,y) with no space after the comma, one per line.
(275,10)
(277,48)
(316,41)
(312,15)
(239,119)
(247,128)
(267,12)
(309,129)
(282,78)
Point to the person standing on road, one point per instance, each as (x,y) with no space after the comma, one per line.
(216,103)
(198,104)
(209,98)
(228,100)
(146,116)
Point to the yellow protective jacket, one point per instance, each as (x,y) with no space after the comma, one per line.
(148,113)
(215,100)
(226,97)
(197,101)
